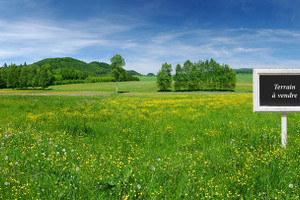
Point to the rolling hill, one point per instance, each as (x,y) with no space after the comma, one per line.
(94,68)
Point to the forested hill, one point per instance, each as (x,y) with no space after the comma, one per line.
(56,71)
(93,68)
(243,71)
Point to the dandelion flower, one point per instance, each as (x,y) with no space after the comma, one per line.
(291,186)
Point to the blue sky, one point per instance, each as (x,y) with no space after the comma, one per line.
(241,33)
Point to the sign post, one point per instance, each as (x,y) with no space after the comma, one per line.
(277,90)
(283,130)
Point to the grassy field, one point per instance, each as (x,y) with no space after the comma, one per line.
(244,83)
(146,85)
(145,146)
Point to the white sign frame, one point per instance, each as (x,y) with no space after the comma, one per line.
(256,97)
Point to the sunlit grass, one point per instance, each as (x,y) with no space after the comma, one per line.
(149,146)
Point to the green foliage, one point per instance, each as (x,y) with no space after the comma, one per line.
(244,71)
(120,74)
(102,68)
(100,79)
(208,75)
(117,63)
(13,74)
(178,78)
(72,69)
(164,77)
(150,75)
(65,82)
(69,67)
(3,77)
(133,73)
(55,71)
(24,76)
(45,77)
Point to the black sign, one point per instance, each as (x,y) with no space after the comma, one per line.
(279,90)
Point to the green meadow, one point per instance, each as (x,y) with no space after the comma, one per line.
(145,85)
(144,144)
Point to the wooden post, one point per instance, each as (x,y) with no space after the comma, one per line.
(283,129)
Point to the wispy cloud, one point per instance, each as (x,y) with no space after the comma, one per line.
(44,38)
(237,47)
(144,49)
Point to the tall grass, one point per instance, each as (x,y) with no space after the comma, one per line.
(150,146)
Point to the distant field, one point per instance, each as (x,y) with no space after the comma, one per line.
(244,83)
(145,85)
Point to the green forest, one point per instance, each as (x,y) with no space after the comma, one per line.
(57,71)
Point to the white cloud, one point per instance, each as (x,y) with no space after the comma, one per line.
(144,51)
(45,38)
(236,47)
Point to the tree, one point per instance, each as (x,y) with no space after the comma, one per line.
(33,79)
(13,76)
(193,78)
(44,77)
(186,73)
(207,75)
(3,76)
(150,75)
(178,78)
(164,77)
(117,63)
(23,80)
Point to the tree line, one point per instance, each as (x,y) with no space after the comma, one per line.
(42,76)
(202,75)
(24,76)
